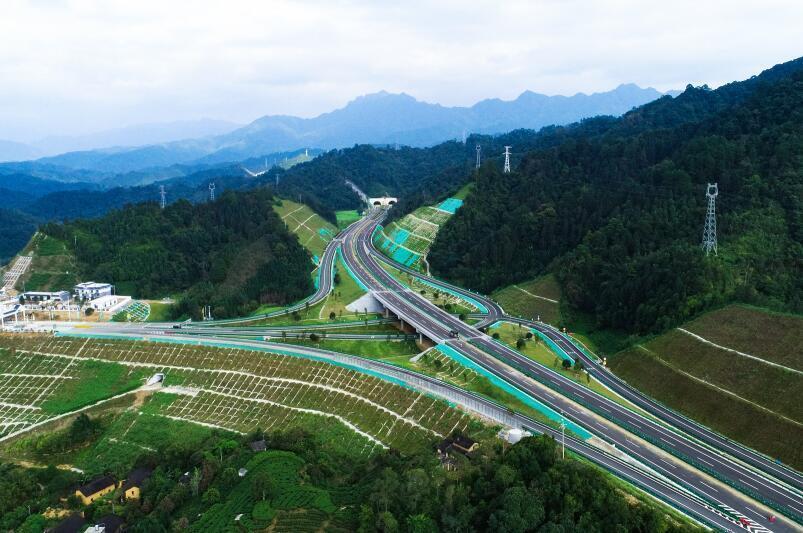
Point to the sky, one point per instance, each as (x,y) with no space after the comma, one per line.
(72,67)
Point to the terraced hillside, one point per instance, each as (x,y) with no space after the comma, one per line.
(738,370)
(409,239)
(229,388)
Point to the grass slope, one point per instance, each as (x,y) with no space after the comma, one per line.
(531,299)
(313,231)
(52,267)
(748,400)
(344,218)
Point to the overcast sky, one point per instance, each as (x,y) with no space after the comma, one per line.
(77,66)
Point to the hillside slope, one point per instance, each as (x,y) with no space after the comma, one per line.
(617,213)
(233,254)
(738,370)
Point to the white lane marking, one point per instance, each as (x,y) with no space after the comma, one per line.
(749,484)
(709,486)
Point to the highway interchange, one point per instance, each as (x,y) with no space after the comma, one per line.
(586,407)
(699,472)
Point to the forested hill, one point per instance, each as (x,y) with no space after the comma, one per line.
(617,213)
(417,176)
(234,253)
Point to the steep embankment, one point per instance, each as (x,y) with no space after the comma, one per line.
(738,370)
(408,239)
(233,254)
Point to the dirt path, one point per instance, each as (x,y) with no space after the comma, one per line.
(747,355)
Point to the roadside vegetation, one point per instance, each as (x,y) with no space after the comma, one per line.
(532,299)
(346,217)
(313,232)
(744,398)
(233,254)
(534,347)
(52,268)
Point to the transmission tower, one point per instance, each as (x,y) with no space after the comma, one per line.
(211,191)
(464,136)
(479,150)
(507,159)
(162,196)
(710,228)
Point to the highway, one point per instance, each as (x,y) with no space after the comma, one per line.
(720,506)
(676,496)
(325,284)
(497,358)
(610,380)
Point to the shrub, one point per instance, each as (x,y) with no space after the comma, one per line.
(263,512)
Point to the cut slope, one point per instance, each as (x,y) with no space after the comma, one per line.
(750,399)
(536,298)
(408,239)
(53,266)
(313,232)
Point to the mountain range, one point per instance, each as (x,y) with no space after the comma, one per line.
(135,135)
(379,118)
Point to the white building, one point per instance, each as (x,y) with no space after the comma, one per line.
(111,303)
(89,290)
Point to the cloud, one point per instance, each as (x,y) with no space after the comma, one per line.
(75,66)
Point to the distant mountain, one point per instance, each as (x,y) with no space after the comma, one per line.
(380,118)
(14,151)
(136,135)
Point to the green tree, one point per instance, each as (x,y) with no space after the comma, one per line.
(421,523)
(211,496)
(262,485)
(387,523)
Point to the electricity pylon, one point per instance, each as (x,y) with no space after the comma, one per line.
(710,228)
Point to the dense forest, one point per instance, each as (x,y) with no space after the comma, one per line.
(233,254)
(524,487)
(17,228)
(617,213)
